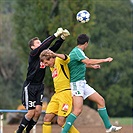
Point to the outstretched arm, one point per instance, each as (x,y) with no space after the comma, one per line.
(88,61)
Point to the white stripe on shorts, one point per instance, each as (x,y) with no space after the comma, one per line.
(26,96)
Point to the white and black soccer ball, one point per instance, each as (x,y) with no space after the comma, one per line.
(83,16)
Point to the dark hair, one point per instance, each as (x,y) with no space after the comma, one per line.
(31,42)
(82,38)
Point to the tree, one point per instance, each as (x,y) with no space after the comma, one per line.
(111,36)
(9,63)
(42,20)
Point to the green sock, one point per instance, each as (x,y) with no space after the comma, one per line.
(69,122)
(104,115)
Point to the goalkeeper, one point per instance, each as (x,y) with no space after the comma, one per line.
(33,86)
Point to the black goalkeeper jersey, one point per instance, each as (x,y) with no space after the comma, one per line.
(36,70)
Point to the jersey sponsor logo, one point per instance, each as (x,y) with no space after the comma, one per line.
(54,73)
(65,107)
(42,65)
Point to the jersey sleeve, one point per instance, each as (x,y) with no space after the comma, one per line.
(66,61)
(44,45)
(78,55)
(57,45)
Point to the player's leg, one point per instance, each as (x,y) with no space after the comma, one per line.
(73,130)
(77,91)
(37,94)
(92,95)
(25,121)
(51,111)
(46,128)
(99,100)
(27,103)
(34,120)
(101,108)
(77,109)
(61,121)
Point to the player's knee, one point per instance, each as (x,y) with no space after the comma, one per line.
(30,114)
(37,113)
(102,102)
(47,119)
(77,111)
(61,121)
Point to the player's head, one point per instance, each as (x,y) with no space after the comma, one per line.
(47,57)
(82,39)
(34,43)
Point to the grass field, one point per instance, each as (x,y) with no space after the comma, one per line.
(122,121)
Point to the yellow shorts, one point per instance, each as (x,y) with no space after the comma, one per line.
(60,103)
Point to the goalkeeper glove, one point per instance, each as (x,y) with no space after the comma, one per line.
(58,32)
(64,34)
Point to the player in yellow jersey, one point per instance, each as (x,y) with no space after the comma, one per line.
(61,102)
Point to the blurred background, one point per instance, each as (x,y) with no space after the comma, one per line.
(111,35)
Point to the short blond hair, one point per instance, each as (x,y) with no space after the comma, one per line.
(46,54)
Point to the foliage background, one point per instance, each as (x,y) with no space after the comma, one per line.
(110,31)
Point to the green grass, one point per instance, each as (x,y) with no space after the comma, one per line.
(122,121)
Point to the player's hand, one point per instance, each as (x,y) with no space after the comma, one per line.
(50,53)
(97,66)
(109,59)
(65,33)
(58,32)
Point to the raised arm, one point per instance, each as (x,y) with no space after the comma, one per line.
(57,45)
(59,42)
(46,43)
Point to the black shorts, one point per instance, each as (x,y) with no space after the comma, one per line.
(32,95)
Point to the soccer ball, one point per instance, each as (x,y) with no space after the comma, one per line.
(83,16)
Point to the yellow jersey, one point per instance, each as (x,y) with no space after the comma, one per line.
(60,74)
